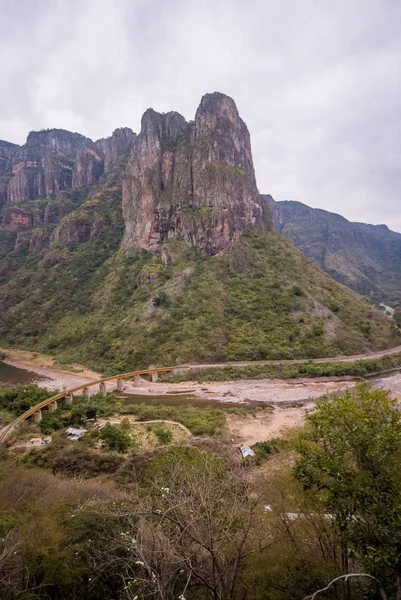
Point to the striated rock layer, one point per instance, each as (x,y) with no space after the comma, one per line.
(192,181)
(54,160)
(116,147)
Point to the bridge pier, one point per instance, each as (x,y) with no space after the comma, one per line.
(154,376)
(69,399)
(137,381)
(120,385)
(37,417)
(85,391)
(52,407)
(102,389)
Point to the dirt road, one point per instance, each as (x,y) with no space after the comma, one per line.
(249,363)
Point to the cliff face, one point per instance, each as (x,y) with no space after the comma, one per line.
(366,258)
(55,160)
(189,181)
(194,181)
(7,152)
(116,147)
(52,161)
(37,179)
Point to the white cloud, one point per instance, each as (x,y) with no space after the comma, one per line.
(317,82)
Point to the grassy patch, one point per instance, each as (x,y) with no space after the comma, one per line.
(209,421)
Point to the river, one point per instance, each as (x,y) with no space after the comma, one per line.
(10,375)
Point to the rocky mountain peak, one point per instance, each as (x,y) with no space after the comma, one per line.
(56,140)
(51,161)
(214,110)
(116,147)
(195,182)
(162,126)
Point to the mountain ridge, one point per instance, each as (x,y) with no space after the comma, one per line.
(365,257)
(157,247)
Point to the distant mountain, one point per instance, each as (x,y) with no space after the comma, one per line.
(366,258)
(158,248)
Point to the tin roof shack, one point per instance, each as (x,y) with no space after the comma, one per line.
(74,434)
(36,441)
(246,451)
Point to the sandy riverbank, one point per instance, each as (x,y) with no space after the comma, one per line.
(24,359)
(269,391)
(50,378)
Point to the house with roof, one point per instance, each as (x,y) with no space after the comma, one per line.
(35,441)
(74,434)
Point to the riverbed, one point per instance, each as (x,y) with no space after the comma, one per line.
(270,392)
(290,399)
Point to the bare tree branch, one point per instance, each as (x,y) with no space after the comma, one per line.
(346,577)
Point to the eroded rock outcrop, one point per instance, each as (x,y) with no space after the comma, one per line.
(194,181)
(190,182)
(15,218)
(116,147)
(51,161)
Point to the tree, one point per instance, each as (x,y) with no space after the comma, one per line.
(188,530)
(115,438)
(350,457)
(91,412)
(11,565)
(21,397)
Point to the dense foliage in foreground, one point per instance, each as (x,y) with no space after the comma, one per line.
(189,522)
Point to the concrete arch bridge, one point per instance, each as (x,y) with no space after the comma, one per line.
(68,396)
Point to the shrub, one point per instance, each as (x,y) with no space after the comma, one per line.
(80,461)
(115,438)
(163,434)
(22,397)
(264,449)
(161,299)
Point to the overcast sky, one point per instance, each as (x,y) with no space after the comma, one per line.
(318,83)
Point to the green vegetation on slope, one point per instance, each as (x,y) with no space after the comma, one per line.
(116,311)
(358,368)
(364,257)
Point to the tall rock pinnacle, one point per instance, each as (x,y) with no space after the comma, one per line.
(192,180)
